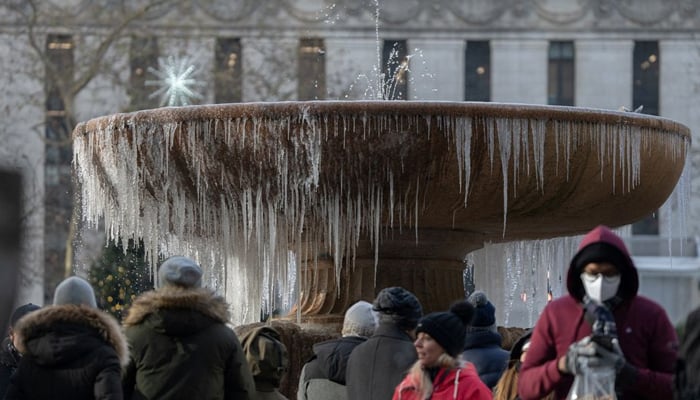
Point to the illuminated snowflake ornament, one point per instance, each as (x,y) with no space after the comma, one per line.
(176,81)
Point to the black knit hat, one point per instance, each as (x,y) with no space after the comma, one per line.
(398,306)
(600,252)
(448,328)
(21,311)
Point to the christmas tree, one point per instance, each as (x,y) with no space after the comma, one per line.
(120,275)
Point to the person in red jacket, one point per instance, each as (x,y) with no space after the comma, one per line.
(602,274)
(440,373)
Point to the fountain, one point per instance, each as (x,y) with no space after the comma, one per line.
(333,200)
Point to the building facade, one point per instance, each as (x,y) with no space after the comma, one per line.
(64,63)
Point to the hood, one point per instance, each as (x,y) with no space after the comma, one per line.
(482,338)
(178,311)
(62,333)
(332,356)
(602,240)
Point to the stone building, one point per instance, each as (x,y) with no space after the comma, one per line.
(64,62)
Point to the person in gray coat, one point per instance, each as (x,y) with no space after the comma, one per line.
(378,365)
(482,345)
(323,376)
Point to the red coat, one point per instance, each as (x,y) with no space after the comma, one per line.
(469,386)
(647,338)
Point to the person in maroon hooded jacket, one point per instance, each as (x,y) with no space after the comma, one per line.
(601,274)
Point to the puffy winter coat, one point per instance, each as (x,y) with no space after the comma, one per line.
(454,384)
(323,377)
(483,349)
(69,352)
(181,348)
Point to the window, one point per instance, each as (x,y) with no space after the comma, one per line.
(58,150)
(560,85)
(59,70)
(477,74)
(228,73)
(312,69)
(395,70)
(645,92)
(143,54)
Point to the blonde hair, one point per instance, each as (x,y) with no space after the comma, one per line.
(420,379)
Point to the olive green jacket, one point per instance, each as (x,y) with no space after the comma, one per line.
(181,348)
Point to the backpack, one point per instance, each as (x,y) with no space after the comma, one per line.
(266,355)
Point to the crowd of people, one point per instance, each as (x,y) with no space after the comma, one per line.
(175,342)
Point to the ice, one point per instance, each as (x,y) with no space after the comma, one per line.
(267,197)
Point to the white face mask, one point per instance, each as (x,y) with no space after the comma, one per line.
(600,288)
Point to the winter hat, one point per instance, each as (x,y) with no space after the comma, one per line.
(398,306)
(484,312)
(600,252)
(74,290)
(448,328)
(180,271)
(21,311)
(359,320)
(602,244)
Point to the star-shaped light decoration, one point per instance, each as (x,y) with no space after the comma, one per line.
(176,81)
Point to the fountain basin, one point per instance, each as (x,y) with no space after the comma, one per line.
(367,180)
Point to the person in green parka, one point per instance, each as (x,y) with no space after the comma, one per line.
(180,345)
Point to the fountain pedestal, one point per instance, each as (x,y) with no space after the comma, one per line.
(432,268)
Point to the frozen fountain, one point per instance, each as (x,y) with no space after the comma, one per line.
(327,202)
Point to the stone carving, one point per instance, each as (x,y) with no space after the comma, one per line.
(562,12)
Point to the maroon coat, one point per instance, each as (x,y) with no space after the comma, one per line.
(647,338)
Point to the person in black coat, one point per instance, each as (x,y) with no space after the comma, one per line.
(323,376)
(482,344)
(71,350)
(378,365)
(9,355)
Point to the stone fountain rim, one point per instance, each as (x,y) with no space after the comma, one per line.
(280,109)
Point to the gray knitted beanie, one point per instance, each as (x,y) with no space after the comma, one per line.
(180,271)
(74,290)
(359,320)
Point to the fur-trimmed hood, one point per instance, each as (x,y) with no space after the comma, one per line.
(69,320)
(178,310)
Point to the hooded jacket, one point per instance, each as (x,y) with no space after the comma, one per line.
(454,384)
(181,348)
(69,352)
(323,377)
(378,365)
(647,338)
